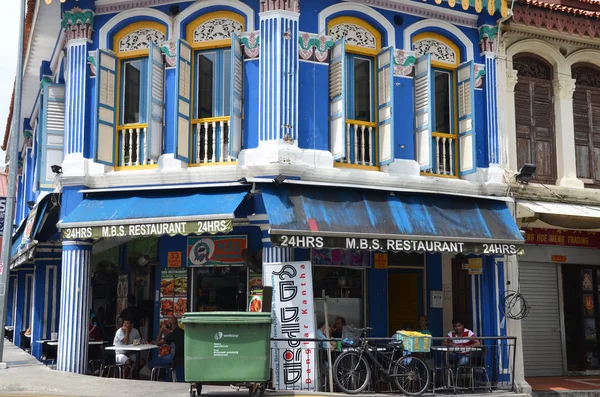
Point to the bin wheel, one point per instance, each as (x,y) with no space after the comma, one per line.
(198,388)
(192,391)
(257,390)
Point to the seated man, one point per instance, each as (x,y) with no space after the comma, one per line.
(125,336)
(461,358)
(338,328)
(175,337)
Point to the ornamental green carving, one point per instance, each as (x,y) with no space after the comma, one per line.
(78,16)
(488,31)
(45,80)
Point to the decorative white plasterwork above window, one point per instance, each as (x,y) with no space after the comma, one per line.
(354,35)
(439,51)
(217,29)
(140,38)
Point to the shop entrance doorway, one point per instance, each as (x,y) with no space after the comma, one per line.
(405,297)
(219,289)
(461,291)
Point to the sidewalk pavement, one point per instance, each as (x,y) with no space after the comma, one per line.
(26,376)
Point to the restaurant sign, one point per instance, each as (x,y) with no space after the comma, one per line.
(396,245)
(212,226)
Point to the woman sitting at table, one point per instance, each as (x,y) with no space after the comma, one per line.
(462,356)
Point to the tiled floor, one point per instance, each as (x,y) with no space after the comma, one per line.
(565,383)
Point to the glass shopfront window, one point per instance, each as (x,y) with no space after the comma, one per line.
(340,276)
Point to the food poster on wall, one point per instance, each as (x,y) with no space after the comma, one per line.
(337,257)
(122,292)
(255,289)
(173,293)
(216,251)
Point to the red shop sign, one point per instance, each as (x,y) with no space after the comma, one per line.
(568,238)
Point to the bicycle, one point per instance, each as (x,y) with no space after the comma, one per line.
(352,372)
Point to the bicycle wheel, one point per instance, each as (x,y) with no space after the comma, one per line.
(411,375)
(351,372)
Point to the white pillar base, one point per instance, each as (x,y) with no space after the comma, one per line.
(571,183)
(402,167)
(169,162)
(281,152)
(3,366)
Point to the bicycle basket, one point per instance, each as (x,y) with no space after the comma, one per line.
(351,336)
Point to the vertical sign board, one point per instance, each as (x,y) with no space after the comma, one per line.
(2,212)
(294,362)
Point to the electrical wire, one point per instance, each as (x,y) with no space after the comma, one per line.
(513,305)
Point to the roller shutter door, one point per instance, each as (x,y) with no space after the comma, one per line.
(542,352)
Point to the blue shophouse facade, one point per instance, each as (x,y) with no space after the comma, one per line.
(284,127)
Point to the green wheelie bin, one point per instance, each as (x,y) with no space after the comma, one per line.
(227,348)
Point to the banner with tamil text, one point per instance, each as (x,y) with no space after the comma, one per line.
(294,362)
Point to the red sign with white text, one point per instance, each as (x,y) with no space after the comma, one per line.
(567,238)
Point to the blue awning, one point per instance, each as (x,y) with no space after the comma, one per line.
(39,226)
(157,212)
(324,217)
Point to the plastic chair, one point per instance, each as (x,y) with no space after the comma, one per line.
(109,364)
(49,354)
(155,375)
(477,365)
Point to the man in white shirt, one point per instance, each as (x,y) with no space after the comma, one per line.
(125,336)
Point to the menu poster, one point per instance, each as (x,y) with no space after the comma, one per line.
(173,293)
(255,287)
(122,292)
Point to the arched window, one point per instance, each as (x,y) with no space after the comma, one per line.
(360,95)
(444,106)
(217,81)
(534,115)
(130,97)
(586,118)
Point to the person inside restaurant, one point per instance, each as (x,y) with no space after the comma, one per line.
(338,327)
(131,312)
(125,336)
(176,338)
(423,325)
(462,357)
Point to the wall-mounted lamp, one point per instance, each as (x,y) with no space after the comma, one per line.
(279,179)
(57,169)
(526,173)
(30,204)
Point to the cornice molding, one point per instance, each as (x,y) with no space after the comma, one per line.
(113,6)
(423,10)
(523,31)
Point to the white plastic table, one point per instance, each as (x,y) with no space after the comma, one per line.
(137,349)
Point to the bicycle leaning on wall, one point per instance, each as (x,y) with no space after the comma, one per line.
(352,368)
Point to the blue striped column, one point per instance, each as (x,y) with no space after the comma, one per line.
(278,71)
(74,306)
(75,95)
(491,104)
(78,27)
(271,254)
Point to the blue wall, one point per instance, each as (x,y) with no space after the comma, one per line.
(24,295)
(46,301)
(10,315)
(313,106)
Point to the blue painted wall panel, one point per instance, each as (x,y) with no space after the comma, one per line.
(378,302)
(10,314)
(250,129)
(313,107)
(170,97)
(434,283)
(404,137)
(481,140)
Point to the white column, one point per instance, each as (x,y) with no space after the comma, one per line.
(513,327)
(74,307)
(565,132)
(507,117)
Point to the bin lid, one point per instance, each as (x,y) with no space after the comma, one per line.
(226,318)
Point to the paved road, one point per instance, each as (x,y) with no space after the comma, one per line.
(26,376)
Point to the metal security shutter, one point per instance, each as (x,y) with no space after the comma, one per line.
(542,352)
